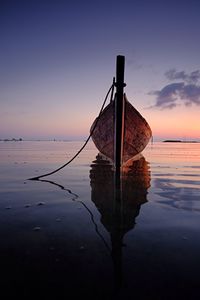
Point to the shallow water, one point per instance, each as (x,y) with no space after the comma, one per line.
(71,234)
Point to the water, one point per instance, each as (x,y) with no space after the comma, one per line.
(70,234)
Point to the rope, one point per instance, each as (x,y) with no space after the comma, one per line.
(67,163)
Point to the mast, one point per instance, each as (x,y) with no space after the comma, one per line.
(119,117)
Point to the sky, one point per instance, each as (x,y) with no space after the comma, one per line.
(58,59)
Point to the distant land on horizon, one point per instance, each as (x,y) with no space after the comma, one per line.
(83,139)
(179,141)
(42,139)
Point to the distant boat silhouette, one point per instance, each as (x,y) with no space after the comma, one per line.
(119,211)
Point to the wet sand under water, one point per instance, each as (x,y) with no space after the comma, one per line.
(70,236)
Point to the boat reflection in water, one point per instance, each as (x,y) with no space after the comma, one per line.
(119,210)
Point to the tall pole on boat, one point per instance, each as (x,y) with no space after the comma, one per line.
(119,117)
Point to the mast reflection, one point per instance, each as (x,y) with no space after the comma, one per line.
(119,209)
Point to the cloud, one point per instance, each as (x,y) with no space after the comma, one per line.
(192,77)
(167,97)
(191,93)
(187,91)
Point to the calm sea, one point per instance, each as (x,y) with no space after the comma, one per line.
(70,234)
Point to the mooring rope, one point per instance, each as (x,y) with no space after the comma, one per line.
(67,163)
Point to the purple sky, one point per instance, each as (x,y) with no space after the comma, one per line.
(58,59)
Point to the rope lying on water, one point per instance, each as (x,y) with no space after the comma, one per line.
(67,163)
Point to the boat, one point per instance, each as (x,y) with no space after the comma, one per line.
(135,133)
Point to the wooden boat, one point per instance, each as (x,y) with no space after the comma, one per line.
(136,132)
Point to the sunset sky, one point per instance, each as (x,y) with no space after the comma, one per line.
(58,59)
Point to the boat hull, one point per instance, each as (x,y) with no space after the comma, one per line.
(136,131)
